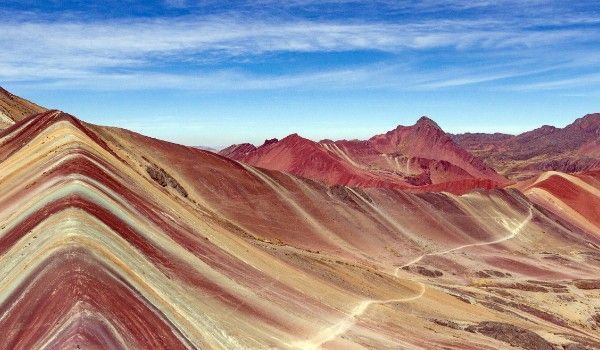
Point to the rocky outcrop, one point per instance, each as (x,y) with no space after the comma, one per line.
(164,179)
(513,335)
(587,284)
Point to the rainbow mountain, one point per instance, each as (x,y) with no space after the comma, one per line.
(113,240)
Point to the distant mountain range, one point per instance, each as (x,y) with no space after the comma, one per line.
(575,147)
(414,157)
(422,157)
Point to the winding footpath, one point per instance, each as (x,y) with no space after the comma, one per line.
(341,327)
(513,233)
(337,329)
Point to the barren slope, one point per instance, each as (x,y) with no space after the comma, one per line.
(14,108)
(110,239)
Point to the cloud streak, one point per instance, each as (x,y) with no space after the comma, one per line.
(137,52)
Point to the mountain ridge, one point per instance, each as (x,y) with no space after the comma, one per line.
(14,108)
(375,162)
(113,239)
(576,147)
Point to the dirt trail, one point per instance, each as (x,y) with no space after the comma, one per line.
(515,231)
(341,327)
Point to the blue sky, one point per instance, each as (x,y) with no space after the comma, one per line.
(215,73)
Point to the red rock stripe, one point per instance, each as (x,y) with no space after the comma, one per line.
(73,276)
(214,256)
(170,265)
(39,122)
(85,333)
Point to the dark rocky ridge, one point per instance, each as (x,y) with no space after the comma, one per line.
(160,176)
(515,336)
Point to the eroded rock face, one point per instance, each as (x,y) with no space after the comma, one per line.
(424,271)
(492,273)
(587,284)
(515,336)
(447,323)
(164,179)
(596,319)
(576,346)
(427,272)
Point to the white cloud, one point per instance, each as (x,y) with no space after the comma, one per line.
(131,53)
(585,80)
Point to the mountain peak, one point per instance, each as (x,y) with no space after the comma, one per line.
(14,108)
(269,141)
(237,150)
(293,137)
(426,121)
(547,128)
(421,126)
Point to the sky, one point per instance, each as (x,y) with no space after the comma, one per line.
(213,73)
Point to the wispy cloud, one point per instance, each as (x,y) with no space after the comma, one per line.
(585,80)
(132,39)
(140,52)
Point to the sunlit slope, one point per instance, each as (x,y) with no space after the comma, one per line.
(110,239)
(14,108)
(574,197)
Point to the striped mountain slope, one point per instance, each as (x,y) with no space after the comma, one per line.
(113,240)
(14,108)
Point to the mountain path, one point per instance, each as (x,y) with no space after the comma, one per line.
(341,327)
(513,233)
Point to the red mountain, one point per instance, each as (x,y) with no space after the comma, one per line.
(418,157)
(575,147)
(238,150)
